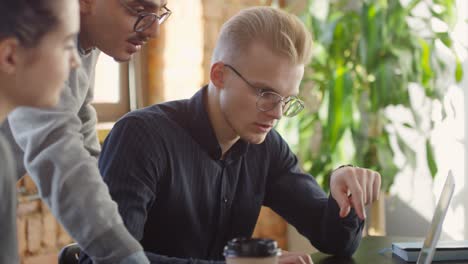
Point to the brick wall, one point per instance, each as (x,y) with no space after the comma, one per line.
(40,236)
(215,13)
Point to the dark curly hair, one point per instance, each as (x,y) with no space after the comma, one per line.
(27,20)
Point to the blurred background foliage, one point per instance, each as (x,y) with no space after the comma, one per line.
(366,54)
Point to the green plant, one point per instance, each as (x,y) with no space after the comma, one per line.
(365,56)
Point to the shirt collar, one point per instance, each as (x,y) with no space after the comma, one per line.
(202,131)
(83,52)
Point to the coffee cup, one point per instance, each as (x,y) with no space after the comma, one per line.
(251,251)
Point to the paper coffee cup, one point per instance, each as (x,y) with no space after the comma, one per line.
(251,251)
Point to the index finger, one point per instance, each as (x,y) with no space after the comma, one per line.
(377,185)
(357,197)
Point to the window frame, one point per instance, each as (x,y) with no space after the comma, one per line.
(111,112)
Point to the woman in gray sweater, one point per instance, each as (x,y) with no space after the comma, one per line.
(37,52)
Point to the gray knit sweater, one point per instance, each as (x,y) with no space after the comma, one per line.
(59,149)
(8,244)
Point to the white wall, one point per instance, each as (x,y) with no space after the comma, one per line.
(414,194)
(183,55)
(462,33)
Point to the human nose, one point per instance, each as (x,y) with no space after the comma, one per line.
(152,31)
(277,111)
(75,60)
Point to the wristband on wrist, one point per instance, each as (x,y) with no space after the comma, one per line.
(342,166)
(346,165)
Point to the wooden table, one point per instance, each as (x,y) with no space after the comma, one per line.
(369,253)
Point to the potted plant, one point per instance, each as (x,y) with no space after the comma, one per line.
(366,54)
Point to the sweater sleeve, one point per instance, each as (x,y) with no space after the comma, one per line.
(87,115)
(8,240)
(57,146)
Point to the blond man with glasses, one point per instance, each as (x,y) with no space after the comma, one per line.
(58,146)
(190,175)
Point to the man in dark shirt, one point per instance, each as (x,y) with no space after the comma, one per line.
(190,175)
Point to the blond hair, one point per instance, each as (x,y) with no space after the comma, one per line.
(280,31)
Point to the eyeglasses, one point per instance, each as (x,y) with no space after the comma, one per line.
(267,100)
(145,19)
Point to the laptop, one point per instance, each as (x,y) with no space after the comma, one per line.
(430,242)
(408,251)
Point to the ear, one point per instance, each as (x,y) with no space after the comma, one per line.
(87,6)
(217,74)
(8,55)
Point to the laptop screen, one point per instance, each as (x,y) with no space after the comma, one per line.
(432,237)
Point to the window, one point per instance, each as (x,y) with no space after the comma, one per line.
(111,91)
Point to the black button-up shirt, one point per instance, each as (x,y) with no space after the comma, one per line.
(163,168)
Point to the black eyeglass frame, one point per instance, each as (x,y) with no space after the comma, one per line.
(145,15)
